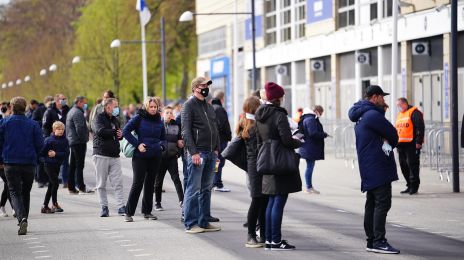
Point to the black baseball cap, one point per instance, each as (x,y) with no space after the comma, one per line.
(375,90)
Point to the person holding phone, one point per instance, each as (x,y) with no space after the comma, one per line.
(149,143)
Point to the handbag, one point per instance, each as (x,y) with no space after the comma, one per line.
(236,152)
(127,148)
(276,159)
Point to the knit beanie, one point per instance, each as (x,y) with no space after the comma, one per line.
(273,91)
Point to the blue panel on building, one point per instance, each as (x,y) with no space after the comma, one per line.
(318,10)
(258,27)
(220,75)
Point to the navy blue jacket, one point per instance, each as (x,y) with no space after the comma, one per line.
(149,130)
(60,145)
(20,140)
(372,128)
(314,135)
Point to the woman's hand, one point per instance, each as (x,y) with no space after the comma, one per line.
(142,148)
(51,153)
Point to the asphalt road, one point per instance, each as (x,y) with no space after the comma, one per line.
(317,230)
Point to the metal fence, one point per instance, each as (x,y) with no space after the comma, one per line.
(435,153)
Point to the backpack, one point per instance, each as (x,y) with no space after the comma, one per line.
(127,148)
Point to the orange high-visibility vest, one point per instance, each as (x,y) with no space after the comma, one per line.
(404,126)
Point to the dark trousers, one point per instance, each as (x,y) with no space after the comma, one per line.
(217,181)
(274,215)
(168,164)
(52,171)
(64,171)
(409,158)
(378,203)
(145,171)
(40,175)
(20,179)
(257,213)
(5,192)
(76,167)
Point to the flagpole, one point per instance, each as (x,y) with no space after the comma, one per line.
(144,62)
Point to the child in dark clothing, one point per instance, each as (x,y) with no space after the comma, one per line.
(54,152)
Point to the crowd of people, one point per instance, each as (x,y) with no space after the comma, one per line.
(48,142)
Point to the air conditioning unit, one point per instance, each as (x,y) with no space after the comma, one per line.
(363,58)
(317,65)
(281,70)
(420,48)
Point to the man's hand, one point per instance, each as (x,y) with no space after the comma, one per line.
(51,153)
(142,148)
(418,146)
(180,144)
(196,159)
(119,133)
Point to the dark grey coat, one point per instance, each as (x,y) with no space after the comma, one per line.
(272,123)
(76,127)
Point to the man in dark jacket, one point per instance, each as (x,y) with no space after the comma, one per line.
(200,134)
(225,135)
(313,147)
(33,105)
(410,127)
(20,150)
(107,133)
(78,136)
(375,139)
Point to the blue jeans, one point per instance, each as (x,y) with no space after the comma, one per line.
(222,161)
(309,173)
(197,204)
(274,214)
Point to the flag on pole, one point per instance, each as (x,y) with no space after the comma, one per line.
(144,12)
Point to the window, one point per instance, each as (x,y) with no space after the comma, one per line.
(346,11)
(300,18)
(387,8)
(285,20)
(373,11)
(212,41)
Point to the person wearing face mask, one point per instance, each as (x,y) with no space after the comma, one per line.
(106,155)
(313,146)
(376,167)
(98,108)
(410,127)
(201,138)
(149,145)
(78,136)
(272,125)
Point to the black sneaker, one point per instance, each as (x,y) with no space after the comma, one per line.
(370,246)
(122,211)
(149,217)
(158,207)
(267,245)
(413,192)
(282,246)
(105,212)
(385,248)
(22,227)
(405,191)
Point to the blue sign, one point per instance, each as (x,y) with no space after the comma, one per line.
(258,27)
(220,75)
(318,10)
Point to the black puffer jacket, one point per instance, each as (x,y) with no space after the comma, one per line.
(51,115)
(255,179)
(272,123)
(225,134)
(172,135)
(105,140)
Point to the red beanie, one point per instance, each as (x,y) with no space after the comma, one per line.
(273,91)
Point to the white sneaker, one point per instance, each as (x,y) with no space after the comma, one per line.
(312,191)
(3,212)
(221,189)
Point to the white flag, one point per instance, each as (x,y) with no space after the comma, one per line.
(144,12)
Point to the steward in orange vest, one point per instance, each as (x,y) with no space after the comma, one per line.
(410,127)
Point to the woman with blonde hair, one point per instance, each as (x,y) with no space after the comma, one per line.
(257,211)
(149,144)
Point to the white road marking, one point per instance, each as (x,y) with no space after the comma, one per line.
(35,242)
(119,236)
(143,255)
(135,250)
(30,238)
(42,256)
(36,247)
(41,251)
(124,240)
(129,245)
(105,229)
(111,233)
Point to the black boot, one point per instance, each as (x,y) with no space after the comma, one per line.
(407,190)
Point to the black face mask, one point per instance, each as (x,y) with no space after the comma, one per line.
(204,92)
(4,109)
